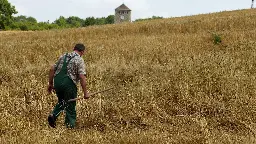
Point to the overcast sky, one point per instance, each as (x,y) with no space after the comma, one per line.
(44,10)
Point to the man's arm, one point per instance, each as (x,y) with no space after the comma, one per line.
(51,74)
(83,85)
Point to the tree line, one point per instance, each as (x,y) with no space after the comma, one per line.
(29,23)
(25,23)
(152,18)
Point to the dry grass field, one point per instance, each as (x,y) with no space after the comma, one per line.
(172,84)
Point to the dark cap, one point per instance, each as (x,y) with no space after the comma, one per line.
(79,47)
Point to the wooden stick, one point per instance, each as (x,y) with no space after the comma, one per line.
(79,98)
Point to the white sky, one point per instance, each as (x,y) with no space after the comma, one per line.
(44,10)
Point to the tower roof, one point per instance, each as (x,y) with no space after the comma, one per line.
(123,7)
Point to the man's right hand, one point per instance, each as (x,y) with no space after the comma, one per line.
(50,88)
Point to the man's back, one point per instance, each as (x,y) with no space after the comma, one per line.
(75,66)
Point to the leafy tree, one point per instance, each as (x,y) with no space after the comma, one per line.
(156,17)
(100,21)
(110,19)
(24,27)
(61,22)
(6,12)
(23,18)
(31,20)
(24,23)
(20,18)
(43,26)
(153,17)
(14,25)
(89,21)
(74,21)
(52,26)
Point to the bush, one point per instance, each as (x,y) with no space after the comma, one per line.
(216,38)
(24,27)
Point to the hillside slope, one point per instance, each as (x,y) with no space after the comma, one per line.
(172,83)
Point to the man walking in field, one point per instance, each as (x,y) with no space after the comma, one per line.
(63,78)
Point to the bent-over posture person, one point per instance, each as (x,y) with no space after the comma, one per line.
(63,78)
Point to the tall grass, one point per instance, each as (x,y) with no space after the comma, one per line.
(172,83)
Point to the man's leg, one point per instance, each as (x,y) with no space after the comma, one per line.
(70,118)
(70,93)
(59,107)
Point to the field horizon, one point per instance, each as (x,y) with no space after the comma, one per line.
(178,80)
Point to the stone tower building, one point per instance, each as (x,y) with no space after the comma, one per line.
(122,14)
